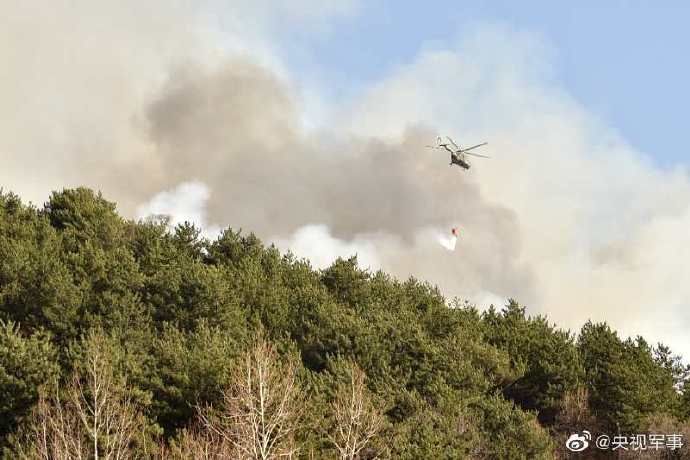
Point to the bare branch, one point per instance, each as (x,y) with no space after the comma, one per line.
(261,406)
(97,420)
(357,421)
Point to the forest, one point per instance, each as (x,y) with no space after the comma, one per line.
(136,339)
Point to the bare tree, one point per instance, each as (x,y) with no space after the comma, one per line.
(97,419)
(666,425)
(198,443)
(107,413)
(357,421)
(53,432)
(575,413)
(261,406)
(574,416)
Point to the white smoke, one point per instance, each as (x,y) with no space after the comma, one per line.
(321,248)
(184,203)
(447,242)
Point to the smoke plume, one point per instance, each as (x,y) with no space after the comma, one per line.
(189,111)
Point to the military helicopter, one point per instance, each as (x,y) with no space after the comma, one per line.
(457,154)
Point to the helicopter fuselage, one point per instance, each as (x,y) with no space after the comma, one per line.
(456,160)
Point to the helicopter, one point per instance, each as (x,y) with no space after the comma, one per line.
(457,154)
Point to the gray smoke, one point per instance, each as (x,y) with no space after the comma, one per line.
(236,129)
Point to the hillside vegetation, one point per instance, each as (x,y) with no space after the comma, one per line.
(127,338)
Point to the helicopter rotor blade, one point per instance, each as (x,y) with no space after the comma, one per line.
(476,155)
(453,142)
(474,146)
(439,147)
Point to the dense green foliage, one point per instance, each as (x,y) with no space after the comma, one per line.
(178,310)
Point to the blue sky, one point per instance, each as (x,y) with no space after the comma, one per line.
(625,61)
